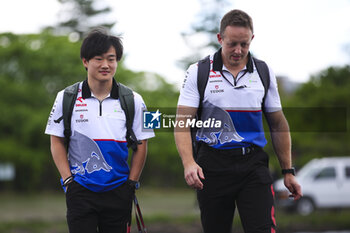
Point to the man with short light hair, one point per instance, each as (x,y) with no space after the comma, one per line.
(231,167)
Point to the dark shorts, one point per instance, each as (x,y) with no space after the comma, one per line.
(242,181)
(104,212)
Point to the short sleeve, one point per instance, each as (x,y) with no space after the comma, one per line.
(55,125)
(189,95)
(140,107)
(272,101)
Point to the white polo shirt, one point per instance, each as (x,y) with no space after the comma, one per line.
(98,153)
(237,103)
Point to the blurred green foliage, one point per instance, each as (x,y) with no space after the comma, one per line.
(33,68)
(318,115)
(206,25)
(79,17)
(329,90)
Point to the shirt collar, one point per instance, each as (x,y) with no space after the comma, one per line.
(218,63)
(86,92)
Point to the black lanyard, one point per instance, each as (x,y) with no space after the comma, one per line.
(139,219)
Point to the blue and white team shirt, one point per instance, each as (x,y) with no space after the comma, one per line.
(98,153)
(237,103)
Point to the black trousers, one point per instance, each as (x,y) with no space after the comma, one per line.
(91,212)
(231,181)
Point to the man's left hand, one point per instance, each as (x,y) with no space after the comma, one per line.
(293,186)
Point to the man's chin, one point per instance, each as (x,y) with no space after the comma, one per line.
(104,78)
(234,62)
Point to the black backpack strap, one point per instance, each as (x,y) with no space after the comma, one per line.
(264,75)
(69,99)
(126,98)
(202,80)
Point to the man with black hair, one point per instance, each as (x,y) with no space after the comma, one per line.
(98,181)
(231,167)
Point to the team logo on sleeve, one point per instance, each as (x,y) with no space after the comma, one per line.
(151,120)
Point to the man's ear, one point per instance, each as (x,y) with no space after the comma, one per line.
(219,38)
(85,63)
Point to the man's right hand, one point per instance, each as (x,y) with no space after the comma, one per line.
(193,175)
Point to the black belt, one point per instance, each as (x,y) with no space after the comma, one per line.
(234,151)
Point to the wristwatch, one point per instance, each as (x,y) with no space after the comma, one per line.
(290,171)
(134,184)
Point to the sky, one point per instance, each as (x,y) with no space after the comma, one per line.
(296,38)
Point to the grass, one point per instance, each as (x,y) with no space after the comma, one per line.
(321,220)
(172,204)
(171,208)
(45,207)
(45,212)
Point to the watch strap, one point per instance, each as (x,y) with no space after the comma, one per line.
(289,171)
(134,184)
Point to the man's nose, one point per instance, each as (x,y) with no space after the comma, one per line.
(104,63)
(237,49)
